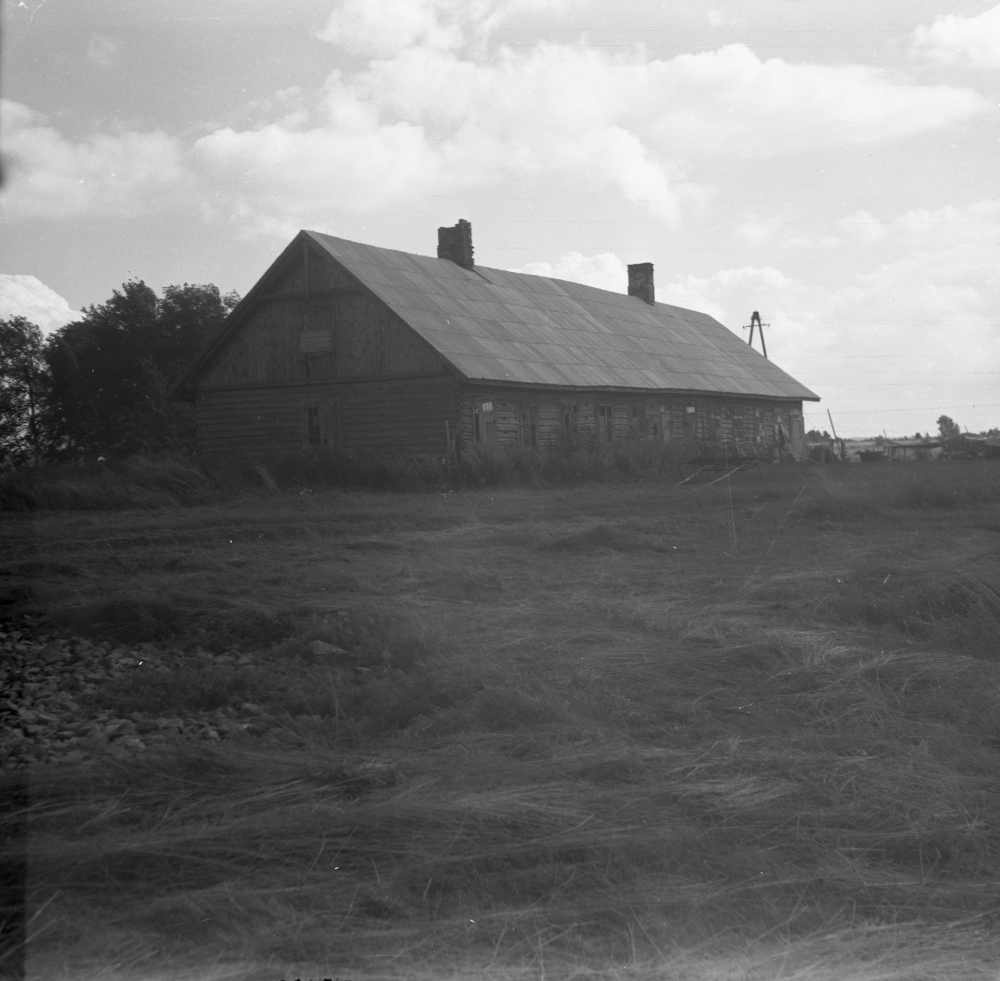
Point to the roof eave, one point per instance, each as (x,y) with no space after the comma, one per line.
(545,386)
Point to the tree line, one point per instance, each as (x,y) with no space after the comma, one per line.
(103,384)
(948,431)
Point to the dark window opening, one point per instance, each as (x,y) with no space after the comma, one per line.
(605,423)
(482,422)
(529,427)
(569,422)
(312,426)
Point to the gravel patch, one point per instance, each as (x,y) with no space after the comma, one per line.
(49,685)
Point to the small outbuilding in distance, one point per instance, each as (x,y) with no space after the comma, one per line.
(364,349)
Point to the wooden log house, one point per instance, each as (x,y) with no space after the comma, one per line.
(364,349)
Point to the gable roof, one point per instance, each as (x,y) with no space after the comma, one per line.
(493,325)
(500,326)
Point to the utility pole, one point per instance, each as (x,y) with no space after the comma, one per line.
(755,323)
(833,429)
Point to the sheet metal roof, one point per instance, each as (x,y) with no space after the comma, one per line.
(499,326)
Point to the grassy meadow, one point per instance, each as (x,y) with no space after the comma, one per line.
(626,731)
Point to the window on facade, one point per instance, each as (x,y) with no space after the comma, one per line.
(568,422)
(316,340)
(482,422)
(638,425)
(313,433)
(529,427)
(605,423)
(316,344)
(690,422)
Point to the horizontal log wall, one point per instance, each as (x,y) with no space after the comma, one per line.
(578,418)
(312,321)
(391,417)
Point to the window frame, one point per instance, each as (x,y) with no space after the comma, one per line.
(606,422)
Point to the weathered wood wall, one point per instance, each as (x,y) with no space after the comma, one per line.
(339,337)
(318,361)
(525,417)
(401,417)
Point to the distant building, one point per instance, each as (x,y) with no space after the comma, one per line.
(355,347)
(904,450)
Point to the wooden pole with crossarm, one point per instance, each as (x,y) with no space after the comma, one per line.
(755,323)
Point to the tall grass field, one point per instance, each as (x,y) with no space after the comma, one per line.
(629,731)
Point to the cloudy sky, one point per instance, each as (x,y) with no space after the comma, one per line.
(833,165)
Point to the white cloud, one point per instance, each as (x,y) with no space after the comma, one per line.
(780,231)
(437,106)
(384,28)
(731,295)
(432,115)
(720,18)
(379,28)
(51,176)
(603,270)
(292,174)
(757,229)
(954,39)
(943,275)
(730,101)
(431,122)
(726,100)
(862,226)
(29,297)
(284,106)
(102,50)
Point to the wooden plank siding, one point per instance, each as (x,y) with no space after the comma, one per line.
(295,340)
(547,419)
(397,417)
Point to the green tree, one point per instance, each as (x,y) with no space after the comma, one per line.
(114,369)
(24,393)
(948,428)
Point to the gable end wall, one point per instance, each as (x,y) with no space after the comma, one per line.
(314,339)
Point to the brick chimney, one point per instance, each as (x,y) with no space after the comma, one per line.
(640,282)
(455,243)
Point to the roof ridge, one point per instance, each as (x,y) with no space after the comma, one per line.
(474,322)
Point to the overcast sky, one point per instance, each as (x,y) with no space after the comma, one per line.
(833,165)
